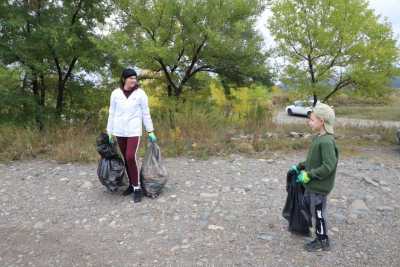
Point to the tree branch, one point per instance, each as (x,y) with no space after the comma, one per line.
(167,75)
(178,59)
(75,15)
(188,72)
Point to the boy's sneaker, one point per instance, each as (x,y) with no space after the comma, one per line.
(318,245)
(137,195)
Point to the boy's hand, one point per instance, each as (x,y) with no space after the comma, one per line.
(303,177)
(293,171)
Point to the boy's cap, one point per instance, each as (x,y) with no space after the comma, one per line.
(325,112)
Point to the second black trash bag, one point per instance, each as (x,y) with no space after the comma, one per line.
(111,172)
(153,174)
(295,210)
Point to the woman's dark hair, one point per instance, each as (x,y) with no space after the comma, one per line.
(125,74)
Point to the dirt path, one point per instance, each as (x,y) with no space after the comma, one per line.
(223,211)
(283,118)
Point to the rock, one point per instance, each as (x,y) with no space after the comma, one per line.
(340,218)
(352,219)
(39,225)
(335,229)
(306,136)
(245,148)
(295,134)
(208,195)
(113,224)
(270,161)
(215,227)
(226,189)
(174,248)
(264,236)
(87,185)
(64,180)
(370,181)
(373,137)
(386,189)
(383,183)
(358,207)
(384,208)
(368,198)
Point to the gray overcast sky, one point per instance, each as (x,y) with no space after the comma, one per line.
(386,8)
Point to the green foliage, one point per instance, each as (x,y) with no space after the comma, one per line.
(16,107)
(51,40)
(334,44)
(183,38)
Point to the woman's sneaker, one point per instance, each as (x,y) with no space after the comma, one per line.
(137,195)
(128,191)
(318,245)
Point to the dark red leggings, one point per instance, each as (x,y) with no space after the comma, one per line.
(129,147)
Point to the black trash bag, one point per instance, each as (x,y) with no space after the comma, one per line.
(295,210)
(153,174)
(111,168)
(104,148)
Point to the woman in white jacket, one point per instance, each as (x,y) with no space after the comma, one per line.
(129,109)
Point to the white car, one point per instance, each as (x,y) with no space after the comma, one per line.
(300,107)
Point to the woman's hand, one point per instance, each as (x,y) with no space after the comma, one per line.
(152,137)
(110,138)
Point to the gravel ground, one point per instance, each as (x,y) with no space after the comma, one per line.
(218,212)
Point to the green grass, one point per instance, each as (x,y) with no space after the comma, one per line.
(384,113)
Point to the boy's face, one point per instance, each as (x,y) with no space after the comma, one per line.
(316,124)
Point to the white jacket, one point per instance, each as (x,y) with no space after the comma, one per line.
(126,115)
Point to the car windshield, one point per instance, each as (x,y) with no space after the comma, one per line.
(299,103)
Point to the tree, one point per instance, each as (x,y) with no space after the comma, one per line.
(339,44)
(182,38)
(50,38)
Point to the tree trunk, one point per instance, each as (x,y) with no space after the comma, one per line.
(38,92)
(42,91)
(60,96)
(178,91)
(62,81)
(169,90)
(311,70)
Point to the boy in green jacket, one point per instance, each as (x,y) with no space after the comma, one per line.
(317,173)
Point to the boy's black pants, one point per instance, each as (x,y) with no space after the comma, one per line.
(317,204)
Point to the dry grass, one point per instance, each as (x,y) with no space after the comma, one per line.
(384,113)
(64,144)
(196,135)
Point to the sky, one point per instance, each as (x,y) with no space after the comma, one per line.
(385,8)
